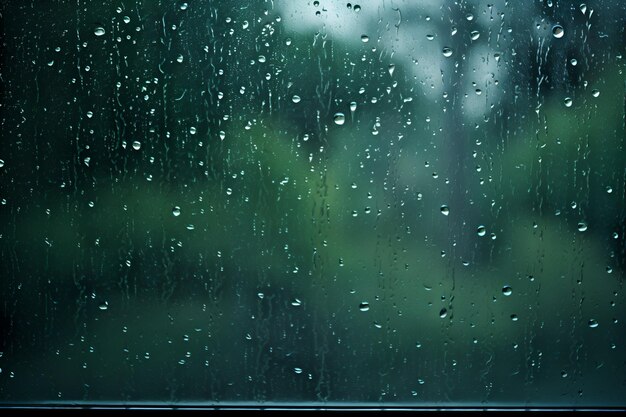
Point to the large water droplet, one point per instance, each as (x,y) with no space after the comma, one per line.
(557,31)
(296,99)
(365,38)
(593,323)
(474,35)
(507,290)
(447,52)
(595,93)
(339,118)
(583,8)
(481,230)
(568,102)
(582,227)
(364,306)
(443,313)
(445,210)
(103,306)
(99,31)
(136,145)
(176,211)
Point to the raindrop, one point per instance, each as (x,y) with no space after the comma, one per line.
(447,52)
(595,93)
(339,118)
(136,145)
(104,306)
(593,323)
(127,19)
(176,211)
(183,6)
(430,37)
(296,302)
(582,226)
(357,8)
(557,31)
(192,130)
(353,106)
(469,17)
(574,62)
(296,99)
(190,227)
(90,114)
(180,59)
(583,8)
(507,290)
(297,370)
(445,210)
(443,313)
(364,306)
(514,317)
(365,38)
(391,69)
(99,31)
(474,35)
(568,102)
(481,230)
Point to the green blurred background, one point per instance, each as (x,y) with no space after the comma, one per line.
(177,227)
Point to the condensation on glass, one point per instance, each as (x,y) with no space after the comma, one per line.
(313,202)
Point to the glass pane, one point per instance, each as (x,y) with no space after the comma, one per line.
(313,202)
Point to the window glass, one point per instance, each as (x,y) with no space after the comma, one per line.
(313,202)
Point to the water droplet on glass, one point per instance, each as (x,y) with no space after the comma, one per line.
(190,227)
(481,230)
(176,211)
(99,31)
(364,306)
(557,31)
(469,17)
(339,118)
(296,99)
(568,102)
(583,8)
(514,317)
(430,37)
(507,290)
(180,59)
(262,58)
(391,68)
(474,35)
(296,302)
(357,8)
(90,114)
(365,38)
(183,6)
(104,306)
(593,323)
(297,370)
(192,130)
(582,226)
(136,145)
(353,106)
(595,93)
(443,313)
(447,52)
(574,62)
(445,210)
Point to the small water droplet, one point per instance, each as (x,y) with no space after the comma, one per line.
(356,8)
(514,317)
(568,102)
(192,130)
(557,31)
(583,8)
(573,61)
(103,306)
(582,226)
(180,59)
(99,31)
(183,6)
(447,52)
(353,106)
(430,37)
(365,38)
(445,210)
(262,59)
(297,370)
(391,68)
(474,35)
(90,114)
(296,302)
(136,145)
(507,290)
(593,323)
(364,306)
(469,17)
(339,118)
(296,99)
(481,230)
(443,313)
(595,93)
(176,211)
(190,227)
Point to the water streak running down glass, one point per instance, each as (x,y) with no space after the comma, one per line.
(385,203)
